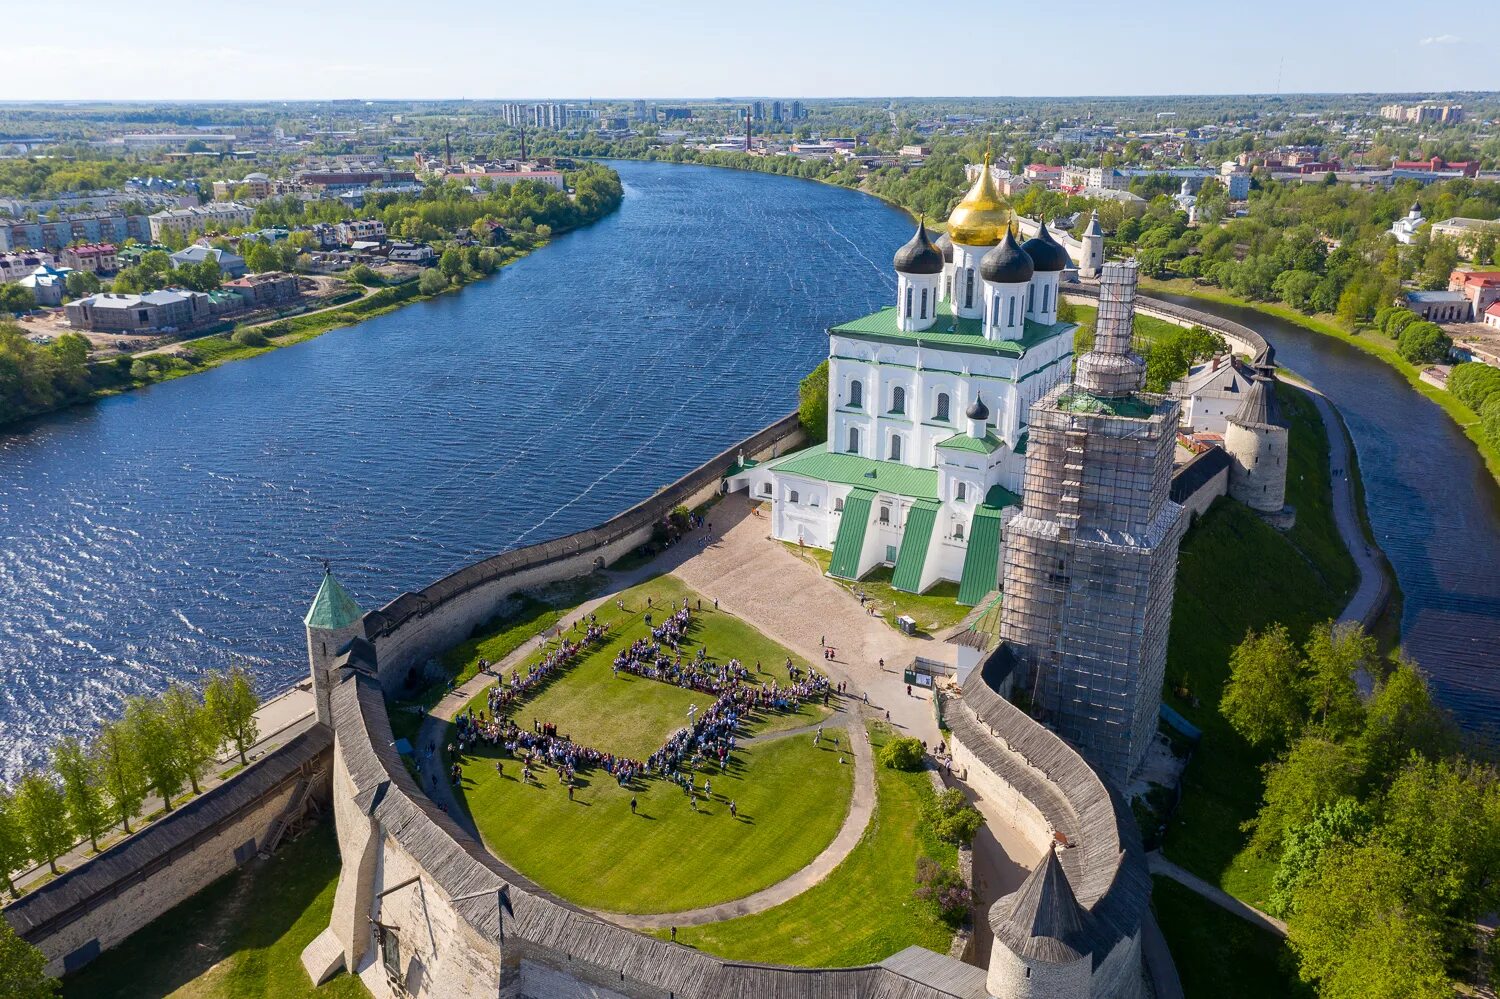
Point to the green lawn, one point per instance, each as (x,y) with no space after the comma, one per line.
(934,611)
(792,797)
(240,938)
(1206,942)
(1235,572)
(864,911)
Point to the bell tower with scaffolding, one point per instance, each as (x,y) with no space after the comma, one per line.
(1091,560)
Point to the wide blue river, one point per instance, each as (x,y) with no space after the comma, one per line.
(164,533)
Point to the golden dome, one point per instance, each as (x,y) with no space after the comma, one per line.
(983,216)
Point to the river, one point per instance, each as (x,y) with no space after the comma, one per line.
(162,533)
(1434,508)
(173,530)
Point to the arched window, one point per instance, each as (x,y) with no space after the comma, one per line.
(1010,319)
(895,447)
(1046,289)
(958,532)
(898,399)
(1031,298)
(923,313)
(908,301)
(793,496)
(941,415)
(856,394)
(995,311)
(958,492)
(885,515)
(969,288)
(854,440)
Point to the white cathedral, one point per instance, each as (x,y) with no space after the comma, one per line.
(927,404)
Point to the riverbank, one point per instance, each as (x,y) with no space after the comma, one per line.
(1466,419)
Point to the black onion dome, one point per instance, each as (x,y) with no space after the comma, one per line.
(1046,252)
(944,242)
(919,256)
(978,410)
(1007,263)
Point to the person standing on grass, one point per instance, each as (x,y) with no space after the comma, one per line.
(632,804)
(734,812)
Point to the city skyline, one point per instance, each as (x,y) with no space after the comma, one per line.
(672,50)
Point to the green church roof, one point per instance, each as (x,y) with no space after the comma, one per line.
(988,444)
(332,609)
(854,470)
(949,332)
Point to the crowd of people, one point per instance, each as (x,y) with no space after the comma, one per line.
(505,696)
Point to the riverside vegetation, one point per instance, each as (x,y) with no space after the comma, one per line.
(502,224)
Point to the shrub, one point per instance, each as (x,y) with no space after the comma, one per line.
(679,518)
(945,889)
(250,337)
(431,282)
(902,754)
(279,328)
(1423,342)
(952,818)
(362,274)
(1474,383)
(1489,418)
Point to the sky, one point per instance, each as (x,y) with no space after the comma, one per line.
(275,49)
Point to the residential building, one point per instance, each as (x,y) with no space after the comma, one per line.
(914,151)
(360,230)
(203,218)
(1492,316)
(231,265)
(15,266)
(1424,114)
(267,290)
(411,253)
(1044,173)
(552,178)
(332,182)
(47,284)
(157,140)
(255,185)
(92,227)
(97,258)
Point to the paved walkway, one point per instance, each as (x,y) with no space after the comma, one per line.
(1370,596)
(1161,865)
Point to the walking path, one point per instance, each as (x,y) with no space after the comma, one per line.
(1161,865)
(1370,596)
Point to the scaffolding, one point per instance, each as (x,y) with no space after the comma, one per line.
(1091,560)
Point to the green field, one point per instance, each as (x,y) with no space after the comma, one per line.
(864,911)
(240,938)
(1235,572)
(791,796)
(1219,955)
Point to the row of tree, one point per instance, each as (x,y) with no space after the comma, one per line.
(1417,339)
(1385,826)
(160,745)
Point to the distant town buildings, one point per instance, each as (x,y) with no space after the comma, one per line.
(1405,228)
(15,266)
(93,227)
(231,265)
(186,221)
(96,258)
(255,185)
(1422,114)
(1465,233)
(1480,288)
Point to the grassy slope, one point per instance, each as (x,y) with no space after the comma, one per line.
(1235,573)
(934,611)
(240,938)
(864,911)
(1206,942)
(792,797)
(1370,343)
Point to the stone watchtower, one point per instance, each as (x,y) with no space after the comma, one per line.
(1091,262)
(333,621)
(1091,560)
(1257,440)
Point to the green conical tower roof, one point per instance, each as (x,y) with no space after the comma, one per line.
(332,609)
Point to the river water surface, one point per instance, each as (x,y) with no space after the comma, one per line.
(166,532)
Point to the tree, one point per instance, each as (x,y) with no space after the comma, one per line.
(16,299)
(902,754)
(1315,772)
(43,812)
(1334,653)
(232,704)
(13,852)
(1424,342)
(1401,719)
(155,748)
(1356,935)
(122,777)
(812,403)
(193,731)
(1344,821)
(1438,262)
(1474,383)
(82,283)
(88,809)
(261,256)
(23,968)
(451,263)
(431,282)
(1263,697)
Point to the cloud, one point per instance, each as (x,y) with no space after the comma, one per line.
(1441,40)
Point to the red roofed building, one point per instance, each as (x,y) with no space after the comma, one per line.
(1481,288)
(1437,164)
(96,257)
(1492,316)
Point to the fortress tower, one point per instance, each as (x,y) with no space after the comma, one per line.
(1257,440)
(332,622)
(1090,562)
